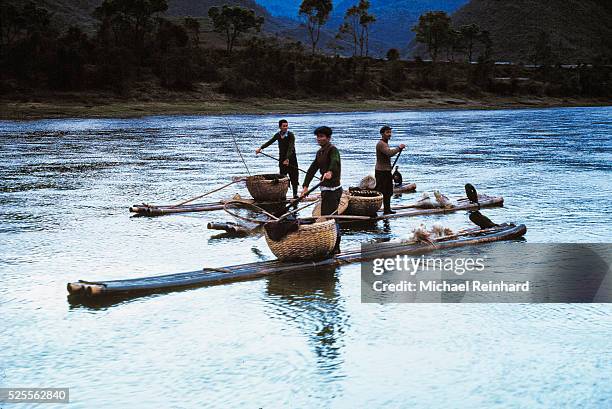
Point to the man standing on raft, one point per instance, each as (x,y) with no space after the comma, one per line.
(327,162)
(287,159)
(384,178)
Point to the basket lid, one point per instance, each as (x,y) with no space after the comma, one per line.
(368,183)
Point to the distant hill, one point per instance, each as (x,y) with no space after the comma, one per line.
(289,8)
(199,8)
(391,30)
(79,12)
(70,12)
(394,18)
(579,30)
(284,8)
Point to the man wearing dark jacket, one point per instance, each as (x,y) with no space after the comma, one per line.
(287,159)
(384,178)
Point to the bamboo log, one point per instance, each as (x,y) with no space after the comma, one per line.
(339,217)
(229,227)
(215,276)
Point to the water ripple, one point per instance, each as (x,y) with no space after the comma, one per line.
(290,340)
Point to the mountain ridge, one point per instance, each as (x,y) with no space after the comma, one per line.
(579,30)
(392,29)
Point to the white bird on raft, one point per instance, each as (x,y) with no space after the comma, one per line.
(439,201)
(422,234)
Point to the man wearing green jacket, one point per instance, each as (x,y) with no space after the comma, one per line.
(327,162)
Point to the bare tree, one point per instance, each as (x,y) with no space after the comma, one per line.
(316,13)
(356,26)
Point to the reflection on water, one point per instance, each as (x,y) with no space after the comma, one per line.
(311,302)
(291,340)
(376,231)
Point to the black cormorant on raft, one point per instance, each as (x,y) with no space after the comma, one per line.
(91,290)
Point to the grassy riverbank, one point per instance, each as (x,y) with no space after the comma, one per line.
(98,106)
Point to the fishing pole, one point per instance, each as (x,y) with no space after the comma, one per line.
(290,165)
(294,202)
(207,193)
(236,144)
(276,159)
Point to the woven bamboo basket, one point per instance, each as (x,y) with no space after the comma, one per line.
(310,242)
(364,202)
(268,188)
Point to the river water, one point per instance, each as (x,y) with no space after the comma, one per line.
(293,340)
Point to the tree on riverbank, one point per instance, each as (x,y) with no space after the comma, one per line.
(138,54)
(433,30)
(356,26)
(315,14)
(233,22)
(128,23)
(193,26)
(437,34)
(469,34)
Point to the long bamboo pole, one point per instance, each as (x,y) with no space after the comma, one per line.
(206,194)
(236,145)
(298,209)
(278,160)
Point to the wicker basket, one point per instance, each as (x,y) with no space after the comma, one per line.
(268,188)
(310,242)
(364,202)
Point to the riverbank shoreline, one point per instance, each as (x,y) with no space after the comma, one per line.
(95,106)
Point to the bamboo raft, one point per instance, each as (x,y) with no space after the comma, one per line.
(145,209)
(97,290)
(410,211)
(461,204)
(404,188)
